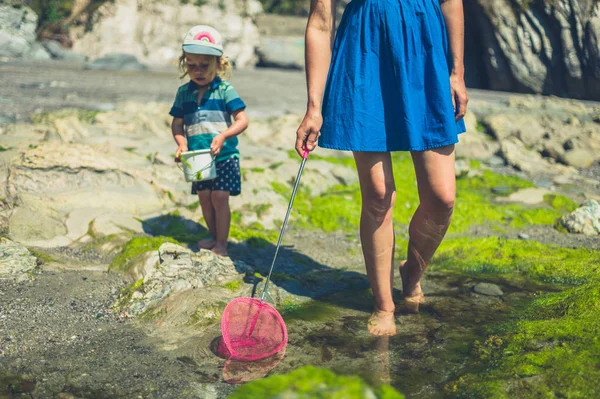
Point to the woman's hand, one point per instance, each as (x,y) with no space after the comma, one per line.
(217,144)
(180,149)
(460,98)
(308,132)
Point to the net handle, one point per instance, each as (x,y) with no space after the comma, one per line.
(285,220)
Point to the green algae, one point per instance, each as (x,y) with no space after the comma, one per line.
(310,311)
(206,314)
(530,259)
(42,258)
(254,234)
(134,248)
(560,202)
(312,382)
(551,349)
(339,208)
(233,285)
(127,292)
(48,117)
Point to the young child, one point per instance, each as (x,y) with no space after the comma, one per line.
(202,119)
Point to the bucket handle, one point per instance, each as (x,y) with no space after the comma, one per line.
(201,170)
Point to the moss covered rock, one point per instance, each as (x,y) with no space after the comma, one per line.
(312,382)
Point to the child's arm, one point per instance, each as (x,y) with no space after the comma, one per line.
(239,124)
(179,136)
(319,41)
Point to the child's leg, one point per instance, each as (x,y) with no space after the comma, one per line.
(208,212)
(220,202)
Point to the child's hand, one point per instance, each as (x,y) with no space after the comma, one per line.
(180,149)
(217,144)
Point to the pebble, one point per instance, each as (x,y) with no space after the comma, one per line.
(488,289)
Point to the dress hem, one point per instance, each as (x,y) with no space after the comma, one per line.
(425,148)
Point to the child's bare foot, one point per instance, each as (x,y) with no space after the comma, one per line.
(413,295)
(382,323)
(220,248)
(207,243)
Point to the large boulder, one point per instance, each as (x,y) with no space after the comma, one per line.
(152,30)
(17,30)
(536,46)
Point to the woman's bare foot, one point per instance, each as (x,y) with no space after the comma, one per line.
(413,296)
(382,323)
(207,243)
(220,248)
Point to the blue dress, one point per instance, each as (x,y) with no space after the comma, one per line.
(388,87)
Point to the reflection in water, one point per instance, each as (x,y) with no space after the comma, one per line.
(381,361)
(238,372)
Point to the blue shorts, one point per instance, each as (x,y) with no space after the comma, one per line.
(228,178)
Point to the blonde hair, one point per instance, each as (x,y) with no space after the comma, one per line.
(221,64)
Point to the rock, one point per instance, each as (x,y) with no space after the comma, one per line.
(281,52)
(583,220)
(519,157)
(488,289)
(18,24)
(16,262)
(579,158)
(58,52)
(37,52)
(552,149)
(525,127)
(523,236)
(501,190)
(461,168)
(528,196)
(117,62)
(541,47)
(152,31)
(178,270)
(495,160)
(475,144)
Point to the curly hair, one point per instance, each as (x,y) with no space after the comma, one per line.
(222,65)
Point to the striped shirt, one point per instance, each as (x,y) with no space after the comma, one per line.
(202,122)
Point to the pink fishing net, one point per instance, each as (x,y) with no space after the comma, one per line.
(252,329)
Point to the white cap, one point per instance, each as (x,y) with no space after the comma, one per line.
(203,39)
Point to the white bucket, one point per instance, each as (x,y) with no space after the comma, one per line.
(198,165)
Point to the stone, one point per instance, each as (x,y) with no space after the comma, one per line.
(117,62)
(528,196)
(583,220)
(16,262)
(178,269)
(488,289)
(152,31)
(525,127)
(17,30)
(579,158)
(281,52)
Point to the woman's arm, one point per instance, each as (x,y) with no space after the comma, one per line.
(455,24)
(319,42)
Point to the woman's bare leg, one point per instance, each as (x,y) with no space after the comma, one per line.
(208,212)
(437,190)
(377,234)
(220,201)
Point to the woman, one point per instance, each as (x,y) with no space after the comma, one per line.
(392,80)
